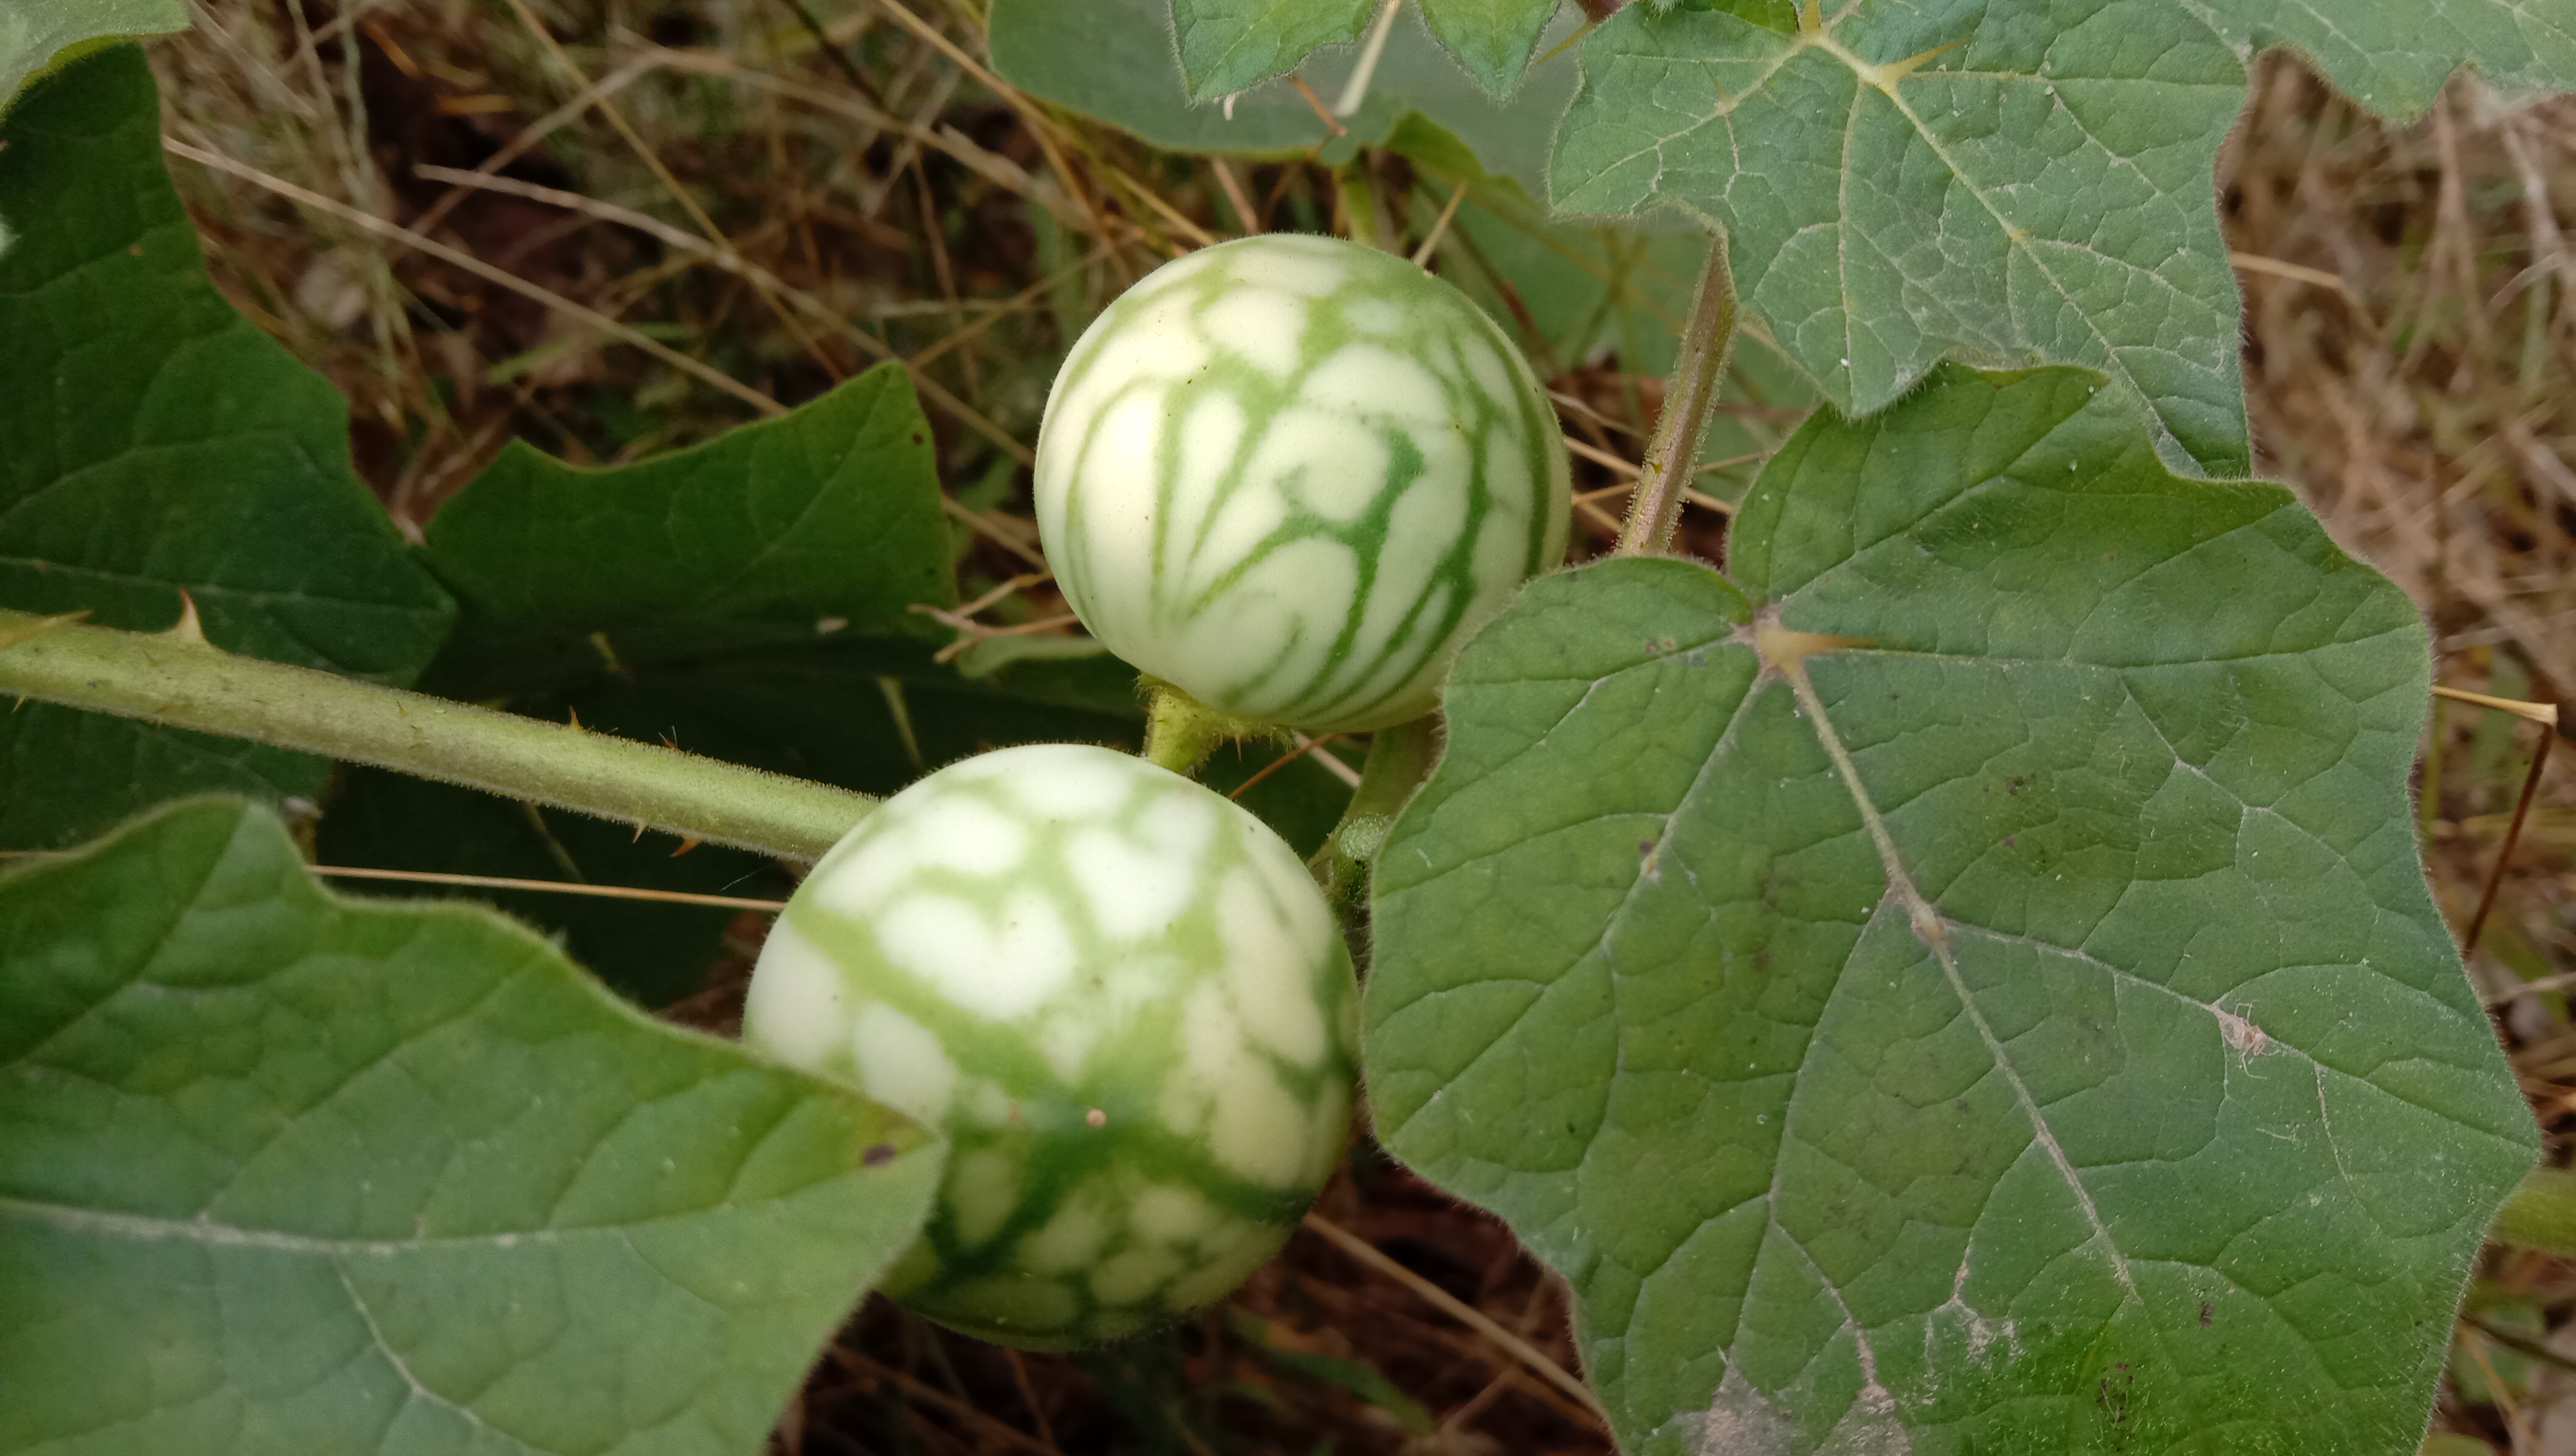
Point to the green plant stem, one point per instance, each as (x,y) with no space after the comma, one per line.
(2541,1214)
(1708,337)
(1364,205)
(177,679)
(1181,731)
(1399,759)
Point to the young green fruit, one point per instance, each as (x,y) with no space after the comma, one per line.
(1289,475)
(1122,999)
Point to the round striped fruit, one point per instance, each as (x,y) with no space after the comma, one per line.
(1121,998)
(1289,475)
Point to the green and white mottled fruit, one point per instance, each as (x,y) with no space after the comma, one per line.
(1289,475)
(1122,999)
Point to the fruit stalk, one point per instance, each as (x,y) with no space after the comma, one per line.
(1707,339)
(176,678)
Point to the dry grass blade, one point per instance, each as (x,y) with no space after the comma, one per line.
(406,237)
(670,184)
(1283,760)
(1603,458)
(2256,263)
(1002,1431)
(731,262)
(1440,226)
(1040,131)
(993,168)
(535,132)
(587,206)
(2512,837)
(1458,1309)
(1235,195)
(551,887)
(2536,712)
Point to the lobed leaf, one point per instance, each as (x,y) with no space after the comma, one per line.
(152,440)
(2002,184)
(822,521)
(280,1171)
(1491,38)
(1967,983)
(1227,45)
(1114,60)
(2394,55)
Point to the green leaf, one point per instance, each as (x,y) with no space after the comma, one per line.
(1491,38)
(823,521)
(1227,45)
(2011,1019)
(2394,55)
(1571,294)
(280,1171)
(39,38)
(152,440)
(1113,60)
(2033,193)
(2003,185)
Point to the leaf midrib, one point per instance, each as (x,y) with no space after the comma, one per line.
(151,1228)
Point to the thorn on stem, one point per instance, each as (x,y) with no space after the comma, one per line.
(189,629)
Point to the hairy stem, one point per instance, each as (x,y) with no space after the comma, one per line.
(176,679)
(1181,731)
(1707,338)
(1399,759)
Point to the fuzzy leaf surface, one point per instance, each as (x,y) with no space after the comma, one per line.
(1491,38)
(2011,1017)
(153,441)
(37,37)
(822,521)
(1114,61)
(1568,291)
(285,1172)
(2003,184)
(1227,45)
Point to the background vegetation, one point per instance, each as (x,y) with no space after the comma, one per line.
(655,219)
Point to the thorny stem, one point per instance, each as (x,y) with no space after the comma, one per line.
(177,679)
(1707,338)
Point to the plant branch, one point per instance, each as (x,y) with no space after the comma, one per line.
(1399,759)
(176,679)
(1707,338)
